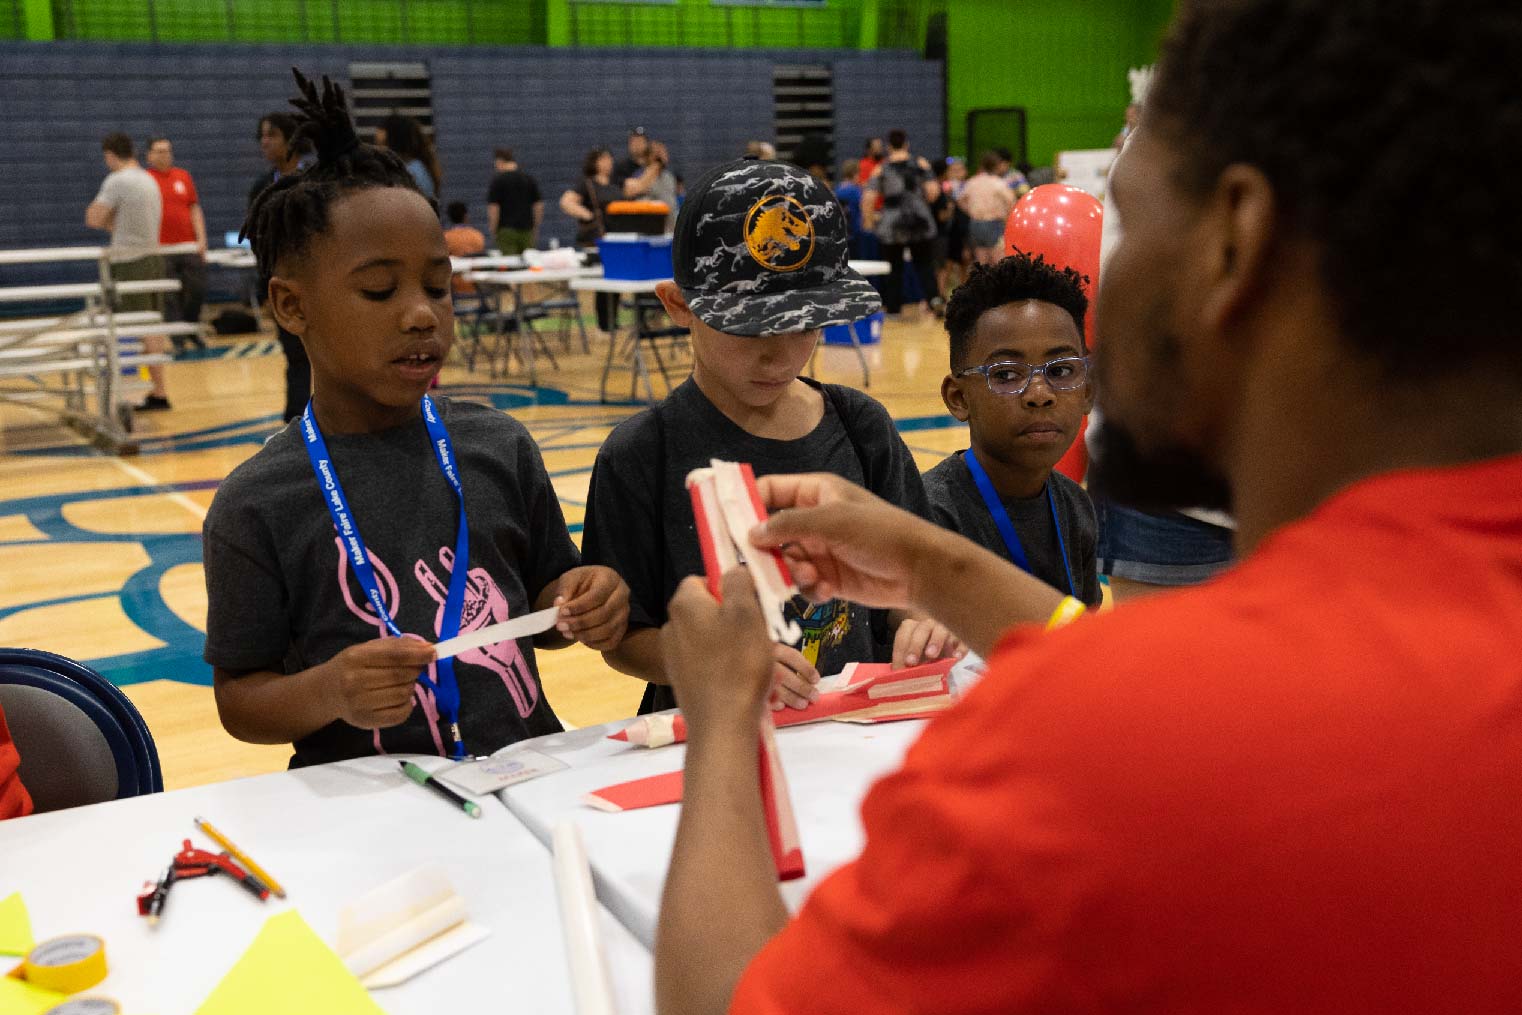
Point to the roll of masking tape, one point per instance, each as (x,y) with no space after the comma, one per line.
(86,1006)
(66,964)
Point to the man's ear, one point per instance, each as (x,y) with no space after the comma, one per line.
(675,303)
(956,402)
(1241,237)
(285,301)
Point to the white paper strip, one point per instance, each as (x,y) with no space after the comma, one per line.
(590,985)
(509,630)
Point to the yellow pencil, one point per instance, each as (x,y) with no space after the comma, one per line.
(240,856)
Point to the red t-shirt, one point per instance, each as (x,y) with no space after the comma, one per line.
(14,800)
(1295,789)
(179,193)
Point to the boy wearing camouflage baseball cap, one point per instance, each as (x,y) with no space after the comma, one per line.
(760,265)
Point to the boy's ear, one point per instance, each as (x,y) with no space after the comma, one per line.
(675,303)
(1088,384)
(284,298)
(956,402)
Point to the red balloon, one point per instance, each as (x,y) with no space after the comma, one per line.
(1062,224)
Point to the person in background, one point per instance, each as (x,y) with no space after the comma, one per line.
(282,150)
(908,188)
(514,206)
(861,243)
(15,802)
(1013,178)
(182,221)
(406,137)
(950,243)
(987,201)
(287,155)
(462,240)
(871,158)
(634,161)
(585,203)
(129,207)
(652,179)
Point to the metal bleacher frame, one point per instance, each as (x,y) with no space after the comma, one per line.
(70,366)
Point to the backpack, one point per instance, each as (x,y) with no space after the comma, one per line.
(907,217)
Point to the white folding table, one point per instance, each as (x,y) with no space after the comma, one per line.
(329,834)
(829,765)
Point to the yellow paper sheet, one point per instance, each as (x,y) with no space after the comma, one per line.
(17,997)
(289,969)
(15,926)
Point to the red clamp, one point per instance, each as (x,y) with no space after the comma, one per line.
(189,863)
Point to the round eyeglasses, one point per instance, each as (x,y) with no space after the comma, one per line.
(1012,378)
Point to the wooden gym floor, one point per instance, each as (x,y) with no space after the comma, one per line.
(101,556)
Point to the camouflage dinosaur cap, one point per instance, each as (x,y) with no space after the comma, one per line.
(760,249)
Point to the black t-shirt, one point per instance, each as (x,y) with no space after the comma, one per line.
(639,514)
(514,193)
(956,504)
(280,594)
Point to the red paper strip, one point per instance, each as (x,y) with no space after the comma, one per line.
(651,791)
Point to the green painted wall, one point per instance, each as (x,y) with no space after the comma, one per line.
(1065,61)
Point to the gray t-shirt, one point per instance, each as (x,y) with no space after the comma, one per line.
(280,594)
(134,196)
(639,514)
(955,504)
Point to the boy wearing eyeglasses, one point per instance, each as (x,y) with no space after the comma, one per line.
(1020,380)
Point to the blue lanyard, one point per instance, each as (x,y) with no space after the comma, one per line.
(446,689)
(1007,528)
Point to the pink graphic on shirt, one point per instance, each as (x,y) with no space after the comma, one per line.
(484,605)
(391,595)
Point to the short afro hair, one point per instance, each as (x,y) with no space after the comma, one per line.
(1391,131)
(1017,277)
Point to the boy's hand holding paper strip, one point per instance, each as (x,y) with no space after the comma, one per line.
(726,506)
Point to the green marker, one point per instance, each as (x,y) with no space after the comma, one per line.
(422,778)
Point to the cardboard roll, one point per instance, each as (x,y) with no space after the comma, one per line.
(86,1006)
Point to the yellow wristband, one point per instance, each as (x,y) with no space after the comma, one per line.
(1066,612)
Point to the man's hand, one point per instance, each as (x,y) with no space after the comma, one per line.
(370,684)
(793,679)
(594,607)
(718,656)
(841,541)
(923,640)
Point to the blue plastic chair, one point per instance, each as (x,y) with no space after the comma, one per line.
(81,740)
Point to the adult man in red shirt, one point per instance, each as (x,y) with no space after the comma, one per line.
(1294,788)
(182,222)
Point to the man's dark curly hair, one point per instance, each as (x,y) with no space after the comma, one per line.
(1391,131)
(1017,277)
(289,212)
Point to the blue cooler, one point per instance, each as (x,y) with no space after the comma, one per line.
(869,331)
(632,257)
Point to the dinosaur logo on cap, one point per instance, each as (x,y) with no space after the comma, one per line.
(779,233)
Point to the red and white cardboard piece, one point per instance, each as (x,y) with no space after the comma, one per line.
(726,506)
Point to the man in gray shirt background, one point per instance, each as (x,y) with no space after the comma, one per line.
(130,207)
